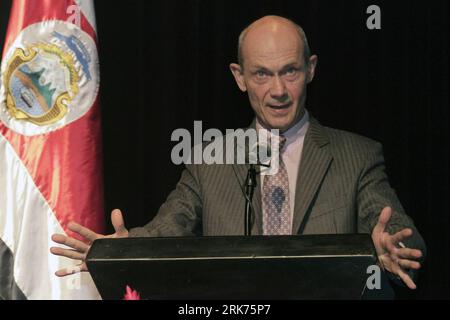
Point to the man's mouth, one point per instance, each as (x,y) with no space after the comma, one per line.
(280,106)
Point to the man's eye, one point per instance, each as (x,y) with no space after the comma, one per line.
(291,71)
(261,74)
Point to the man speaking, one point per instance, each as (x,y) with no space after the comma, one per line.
(329,181)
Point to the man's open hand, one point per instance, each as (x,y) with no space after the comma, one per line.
(392,254)
(79,249)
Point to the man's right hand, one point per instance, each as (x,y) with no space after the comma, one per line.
(80,249)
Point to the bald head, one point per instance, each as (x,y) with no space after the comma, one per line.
(269,32)
(275,67)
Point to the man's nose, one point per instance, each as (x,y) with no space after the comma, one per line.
(278,88)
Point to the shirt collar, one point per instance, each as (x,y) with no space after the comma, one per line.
(295,132)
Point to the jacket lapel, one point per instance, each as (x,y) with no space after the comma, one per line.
(314,164)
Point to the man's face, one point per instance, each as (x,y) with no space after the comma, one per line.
(275,76)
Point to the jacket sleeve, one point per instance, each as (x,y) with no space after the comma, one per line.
(181,214)
(375,193)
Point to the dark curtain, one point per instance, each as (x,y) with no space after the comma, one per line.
(164,64)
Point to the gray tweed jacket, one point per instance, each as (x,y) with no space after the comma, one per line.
(341,188)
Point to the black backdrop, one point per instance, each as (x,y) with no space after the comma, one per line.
(164,64)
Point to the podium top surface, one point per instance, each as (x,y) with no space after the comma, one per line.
(231,247)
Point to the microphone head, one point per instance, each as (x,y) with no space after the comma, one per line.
(260,153)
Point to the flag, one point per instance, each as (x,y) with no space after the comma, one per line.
(50,145)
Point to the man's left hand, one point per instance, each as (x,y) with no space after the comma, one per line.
(392,254)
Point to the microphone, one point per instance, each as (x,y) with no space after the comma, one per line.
(260,153)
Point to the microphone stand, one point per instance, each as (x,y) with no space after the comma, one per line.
(250,185)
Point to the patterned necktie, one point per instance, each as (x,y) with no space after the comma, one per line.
(277,214)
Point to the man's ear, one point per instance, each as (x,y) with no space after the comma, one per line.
(238,74)
(311,68)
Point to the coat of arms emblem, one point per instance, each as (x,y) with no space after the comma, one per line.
(40,82)
(49,78)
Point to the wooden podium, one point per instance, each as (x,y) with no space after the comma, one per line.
(235,267)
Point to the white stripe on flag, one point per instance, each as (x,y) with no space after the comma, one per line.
(26,226)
